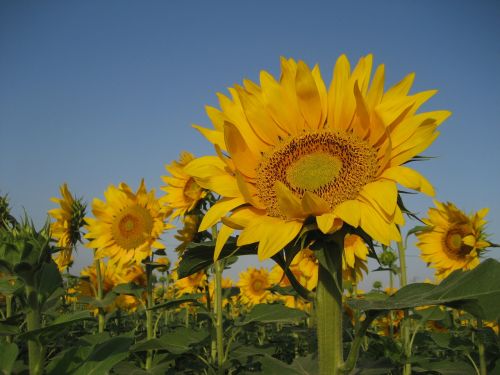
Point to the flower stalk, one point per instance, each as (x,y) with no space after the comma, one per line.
(100,295)
(149,314)
(36,350)
(329,313)
(405,329)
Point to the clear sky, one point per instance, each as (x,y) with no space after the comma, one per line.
(93,93)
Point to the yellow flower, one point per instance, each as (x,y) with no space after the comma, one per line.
(183,192)
(453,240)
(291,148)
(127,227)
(187,234)
(69,218)
(195,283)
(254,284)
(87,286)
(165,264)
(354,261)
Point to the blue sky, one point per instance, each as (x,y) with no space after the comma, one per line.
(94,93)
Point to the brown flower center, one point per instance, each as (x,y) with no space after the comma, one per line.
(333,165)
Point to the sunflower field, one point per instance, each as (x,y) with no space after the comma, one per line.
(311,176)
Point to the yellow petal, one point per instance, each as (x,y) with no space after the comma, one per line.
(218,210)
(287,201)
(222,237)
(308,95)
(409,178)
(313,204)
(275,235)
(243,157)
(349,211)
(213,136)
(328,223)
(384,193)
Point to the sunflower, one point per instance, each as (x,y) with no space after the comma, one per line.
(87,285)
(304,267)
(254,284)
(187,234)
(290,149)
(182,191)
(195,283)
(354,261)
(127,227)
(69,218)
(452,240)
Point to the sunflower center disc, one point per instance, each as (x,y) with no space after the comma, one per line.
(333,165)
(257,285)
(453,242)
(132,227)
(313,171)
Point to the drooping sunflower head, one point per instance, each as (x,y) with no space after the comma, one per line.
(182,191)
(354,260)
(66,229)
(453,240)
(254,284)
(292,148)
(128,225)
(187,234)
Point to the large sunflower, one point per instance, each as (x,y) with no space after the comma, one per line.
(127,227)
(182,191)
(291,148)
(453,240)
(69,219)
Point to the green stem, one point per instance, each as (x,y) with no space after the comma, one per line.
(36,351)
(149,315)
(100,295)
(218,315)
(329,315)
(352,358)
(480,346)
(405,329)
(8,300)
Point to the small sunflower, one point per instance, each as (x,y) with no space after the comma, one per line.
(291,149)
(354,261)
(195,283)
(69,219)
(128,226)
(254,284)
(182,191)
(453,240)
(188,233)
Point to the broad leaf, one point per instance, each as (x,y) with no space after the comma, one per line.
(265,313)
(476,291)
(176,342)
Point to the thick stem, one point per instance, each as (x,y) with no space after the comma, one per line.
(149,315)
(36,351)
(219,329)
(403,281)
(100,296)
(329,315)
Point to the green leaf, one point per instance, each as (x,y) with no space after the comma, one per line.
(11,285)
(177,342)
(48,279)
(8,329)
(8,355)
(476,291)
(105,355)
(200,256)
(130,289)
(57,326)
(87,359)
(266,313)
